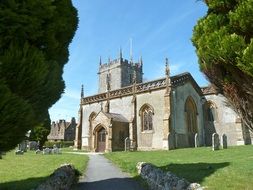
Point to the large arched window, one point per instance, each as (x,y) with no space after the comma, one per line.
(210,111)
(191,115)
(146,113)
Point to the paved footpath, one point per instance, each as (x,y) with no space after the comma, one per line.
(101,174)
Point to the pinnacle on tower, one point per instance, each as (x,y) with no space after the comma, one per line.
(120,53)
(82,94)
(141,62)
(167,69)
(100,61)
(134,76)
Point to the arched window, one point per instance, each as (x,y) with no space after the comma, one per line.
(210,111)
(146,113)
(191,115)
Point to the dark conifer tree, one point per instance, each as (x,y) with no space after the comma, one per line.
(224,43)
(34,40)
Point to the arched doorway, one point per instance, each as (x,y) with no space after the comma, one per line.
(101,139)
(191,120)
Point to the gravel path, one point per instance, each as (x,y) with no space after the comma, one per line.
(101,174)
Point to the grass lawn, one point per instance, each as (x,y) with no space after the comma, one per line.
(29,170)
(231,168)
(68,149)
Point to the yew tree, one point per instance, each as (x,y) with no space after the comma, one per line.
(34,40)
(224,45)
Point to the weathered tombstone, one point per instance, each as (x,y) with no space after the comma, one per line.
(215,141)
(196,140)
(23,146)
(37,151)
(32,145)
(224,141)
(56,151)
(19,152)
(47,151)
(127,144)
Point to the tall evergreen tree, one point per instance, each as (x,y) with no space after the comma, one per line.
(34,40)
(224,43)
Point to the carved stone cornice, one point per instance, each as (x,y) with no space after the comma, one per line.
(177,80)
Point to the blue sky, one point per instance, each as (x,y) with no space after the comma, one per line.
(158,29)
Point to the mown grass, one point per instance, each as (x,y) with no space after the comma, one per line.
(70,149)
(231,168)
(29,170)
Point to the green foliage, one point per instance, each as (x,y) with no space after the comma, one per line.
(39,134)
(34,39)
(223,41)
(214,170)
(19,172)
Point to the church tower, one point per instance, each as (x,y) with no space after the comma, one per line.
(120,72)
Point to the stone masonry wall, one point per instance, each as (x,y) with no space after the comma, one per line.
(159,180)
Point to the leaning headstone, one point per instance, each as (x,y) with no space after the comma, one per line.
(196,140)
(215,141)
(224,141)
(127,144)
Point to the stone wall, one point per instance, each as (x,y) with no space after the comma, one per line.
(120,131)
(226,121)
(159,180)
(179,97)
(151,139)
(63,178)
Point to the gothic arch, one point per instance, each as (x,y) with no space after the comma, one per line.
(191,119)
(146,113)
(145,106)
(191,113)
(210,111)
(91,117)
(100,134)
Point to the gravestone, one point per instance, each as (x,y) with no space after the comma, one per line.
(56,150)
(23,146)
(127,144)
(224,141)
(38,151)
(19,152)
(196,140)
(47,151)
(33,145)
(215,141)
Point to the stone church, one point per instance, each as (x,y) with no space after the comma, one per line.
(165,113)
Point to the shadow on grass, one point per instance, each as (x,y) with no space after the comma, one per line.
(29,183)
(194,172)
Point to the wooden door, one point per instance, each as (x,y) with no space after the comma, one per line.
(101,140)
